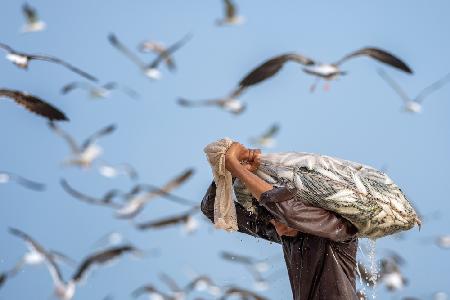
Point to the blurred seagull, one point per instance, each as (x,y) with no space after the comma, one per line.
(99,92)
(6,177)
(186,219)
(267,139)
(112,171)
(414,105)
(152,292)
(326,71)
(106,200)
(85,154)
(229,103)
(203,283)
(66,290)
(231,16)
(391,276)
(22,61)
(111,239)
(34,104)
(150,70)
(137,201)
(33,23)
(243,293)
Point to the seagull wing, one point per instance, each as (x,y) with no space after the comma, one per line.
(67,137)
(85,198)
(246,260)
(30,13)
(191,103)
(75,85)
(230,9)
(99,258)
(127,52)
(34,104)
(394,85)
(63,63)
(170,282)
(380,55)
(272,131)
(33,185)
(101,133)
(271,67)
(162,223)
(6,48)
(53,267)
(170,50)
(432,87)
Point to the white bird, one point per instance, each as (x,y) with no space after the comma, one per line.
(267,139)
(33,23)
(229,103)
(22,61)
(137,200)
(203,283)
(106,200)
(85,154)
(414,105)
(112,171)
(6,177)
(231,16)
(150,70)
(97,91)
(325,71)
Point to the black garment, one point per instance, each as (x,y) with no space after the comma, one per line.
(321,259)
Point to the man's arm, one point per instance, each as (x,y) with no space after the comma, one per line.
(247,223)
(305,218)
(282,203)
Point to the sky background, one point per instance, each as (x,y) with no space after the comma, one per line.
(359,119)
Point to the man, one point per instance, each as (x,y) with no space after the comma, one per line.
(319,246)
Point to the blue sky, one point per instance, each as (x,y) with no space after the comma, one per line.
(359,119)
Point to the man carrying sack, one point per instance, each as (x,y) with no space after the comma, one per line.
(319,246)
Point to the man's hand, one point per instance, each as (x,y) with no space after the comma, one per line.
(238,155)
(283,229)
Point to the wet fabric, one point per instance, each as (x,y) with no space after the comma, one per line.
(320,260)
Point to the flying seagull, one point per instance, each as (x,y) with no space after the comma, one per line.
(33,23)
(414,105)
(85,154)
(137,201)
(186,219)
(203,283)
(22,61)
(99,91)
(325,71)
(231,16)
(34,104)
(150,69)
(106,200)
(112,171)
(152,292)
(230,103)
(241,292)
(66,290)
(6,177)
(267,139)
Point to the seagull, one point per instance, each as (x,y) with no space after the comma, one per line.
(177,292)
(203,283)
(112,171)
(113,238)
(106,200)
(243,293)
(231,17)
(186,219)
(325,71)
(85,154)
(22,61)
(152,292)
(34,104)
(391,276)
(137,201)
(443,241)
(33,23)
(414,105)
(6,177)
(150,70)
(99,92)
(66,290)
(229,103)
(267,139)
